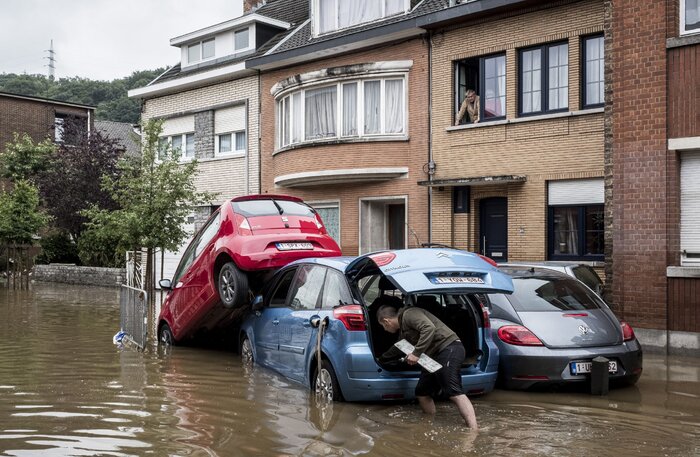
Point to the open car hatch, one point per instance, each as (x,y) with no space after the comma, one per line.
(437,270)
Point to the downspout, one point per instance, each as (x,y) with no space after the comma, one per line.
(260,152)
(246,172)
(431,165)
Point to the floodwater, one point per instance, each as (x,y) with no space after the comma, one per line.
(65,389)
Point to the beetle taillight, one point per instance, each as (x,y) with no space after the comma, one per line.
(627,332)
(518,335)
(352,317)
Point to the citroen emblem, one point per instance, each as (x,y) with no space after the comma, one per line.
(443,254)
(583,330)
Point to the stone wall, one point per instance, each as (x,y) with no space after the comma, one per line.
(72,274)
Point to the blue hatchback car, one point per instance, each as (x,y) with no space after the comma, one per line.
(339,297)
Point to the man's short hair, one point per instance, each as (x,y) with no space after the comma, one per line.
(386,311)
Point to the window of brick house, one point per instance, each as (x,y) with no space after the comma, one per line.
(203,50)
(183,144)
(575,220)
(690,208)
(332,15)
(690,16)
(241,40)
(544,79)
(593,72)
(487,77)
(68,129)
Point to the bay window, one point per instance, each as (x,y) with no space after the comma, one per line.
(348,109)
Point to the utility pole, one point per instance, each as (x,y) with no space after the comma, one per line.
(52,62)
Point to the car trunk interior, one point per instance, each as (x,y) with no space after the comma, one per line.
(460,313)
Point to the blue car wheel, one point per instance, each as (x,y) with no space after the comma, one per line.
(326,383)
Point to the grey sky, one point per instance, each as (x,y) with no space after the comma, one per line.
(101,39)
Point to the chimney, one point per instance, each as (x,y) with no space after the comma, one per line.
(251,5)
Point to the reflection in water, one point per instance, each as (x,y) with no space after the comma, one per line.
(65,389)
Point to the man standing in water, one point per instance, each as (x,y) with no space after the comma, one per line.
(430,336)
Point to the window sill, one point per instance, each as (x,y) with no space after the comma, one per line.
(332,141)
(518,120)
(218,157)
(684,40)
(683,272)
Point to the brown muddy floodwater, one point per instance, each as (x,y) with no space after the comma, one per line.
(65,389)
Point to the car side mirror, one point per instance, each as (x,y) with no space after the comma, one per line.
(165,284)
(257,303)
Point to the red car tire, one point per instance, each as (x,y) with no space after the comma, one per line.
(232,285)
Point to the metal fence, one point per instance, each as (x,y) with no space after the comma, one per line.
(134,318)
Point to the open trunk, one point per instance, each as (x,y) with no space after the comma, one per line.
(462,313)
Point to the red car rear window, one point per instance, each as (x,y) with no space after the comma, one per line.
(253,208)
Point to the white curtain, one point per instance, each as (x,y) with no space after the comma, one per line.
(558,76)
(285,122)
(372,107)
(297,118)
(351,12)
(393,121)
(394,7)
(532,88)
(350,109)
(321,108)
(692,14)
(331,219)
(327,14)
(495,82)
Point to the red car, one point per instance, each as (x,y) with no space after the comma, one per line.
(232,256)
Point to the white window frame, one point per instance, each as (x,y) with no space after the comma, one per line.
(200,44)
(183,137)
(681,21)
(689,232)
(286,97)
(316,13)
(251,32)
(233,152)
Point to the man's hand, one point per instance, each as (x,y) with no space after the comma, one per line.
(411,359)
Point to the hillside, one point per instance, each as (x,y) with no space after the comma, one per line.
(110,97)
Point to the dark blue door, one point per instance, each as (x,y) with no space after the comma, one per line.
(493,228)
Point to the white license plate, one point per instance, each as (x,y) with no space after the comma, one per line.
(295,246)
(585,367)
(458,280)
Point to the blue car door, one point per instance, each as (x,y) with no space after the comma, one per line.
(266,326)
(295,329)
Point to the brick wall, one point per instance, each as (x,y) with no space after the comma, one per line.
(553,148)
(412,153)
(224,176)
(638,156)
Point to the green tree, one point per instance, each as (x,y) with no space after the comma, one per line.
(25,160)
(155,193)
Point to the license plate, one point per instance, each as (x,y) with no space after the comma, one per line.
(585,367)
(458,280)
(295,246)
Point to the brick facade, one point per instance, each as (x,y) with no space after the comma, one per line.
(34,117)
(411,153)
(224,176)
(542,148)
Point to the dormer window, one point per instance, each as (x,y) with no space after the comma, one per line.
(332,15)
(204,50)
(240,40)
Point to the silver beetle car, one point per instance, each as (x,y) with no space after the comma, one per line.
(552,326)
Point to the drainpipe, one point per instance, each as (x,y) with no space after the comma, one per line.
(246,173)
(431,165)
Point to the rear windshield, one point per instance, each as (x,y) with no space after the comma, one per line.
(252,208)
(589,277)
(552,294)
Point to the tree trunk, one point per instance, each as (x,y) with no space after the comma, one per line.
(148,279)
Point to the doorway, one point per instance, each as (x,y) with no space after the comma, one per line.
(493,228)
(382,224)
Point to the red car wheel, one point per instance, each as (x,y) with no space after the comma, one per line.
(232,285)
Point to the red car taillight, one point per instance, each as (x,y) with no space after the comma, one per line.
(352,317)
(489,260)
(518,335)
(485,314)
(242,225)
(627,332)
(383,258)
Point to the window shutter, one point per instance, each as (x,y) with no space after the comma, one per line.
(577,192)
(690,203)
(178,125)
(229,119)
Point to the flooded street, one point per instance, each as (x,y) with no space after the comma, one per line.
(65,389)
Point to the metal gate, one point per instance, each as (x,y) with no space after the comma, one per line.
(134,318)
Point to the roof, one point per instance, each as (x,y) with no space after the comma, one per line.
(46,100)
(123,132)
